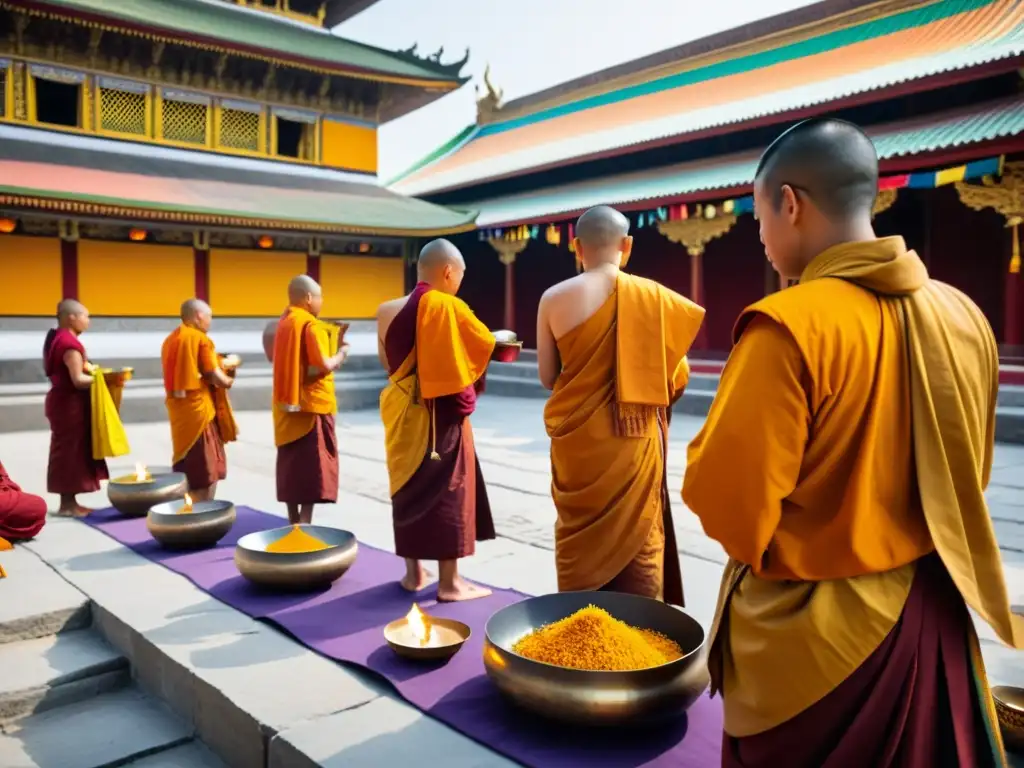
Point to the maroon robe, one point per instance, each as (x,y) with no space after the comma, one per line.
(72,469)
(307,468)
(206,461)
(442,511)
(22,515)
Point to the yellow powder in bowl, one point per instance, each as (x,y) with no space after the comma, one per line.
(592,639)
(297,541)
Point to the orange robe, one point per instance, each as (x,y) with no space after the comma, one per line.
(304,406)
(200,414)
(850,438)
(607,419)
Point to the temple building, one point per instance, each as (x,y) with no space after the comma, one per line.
(152,150)
(674,140)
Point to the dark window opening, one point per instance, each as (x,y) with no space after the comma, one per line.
(58,103)
(289,137)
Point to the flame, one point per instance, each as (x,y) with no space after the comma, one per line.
(141,473)
(188,504)
(418,625)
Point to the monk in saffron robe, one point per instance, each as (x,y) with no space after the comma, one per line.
(612,347)
(22,515)
(305,403)
(72,469)
(436,352)
(842,467)
(197,403)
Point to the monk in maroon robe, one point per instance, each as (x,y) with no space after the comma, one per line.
(22,515)
(72,469)
(438,497)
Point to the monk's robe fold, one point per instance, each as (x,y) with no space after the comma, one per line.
(439,501)
(72,468)
(22,515)
(607,418)
(304,406)
(851,436)
(200,413)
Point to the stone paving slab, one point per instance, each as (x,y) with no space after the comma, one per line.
(193,755)
(52,605)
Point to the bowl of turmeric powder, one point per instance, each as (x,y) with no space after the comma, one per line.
(296,557)
(597,658)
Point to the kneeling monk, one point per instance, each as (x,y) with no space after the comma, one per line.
(72,469)
(305,404)
(613,348)
(22,515)
(435,351)
(842,468)
(197,403)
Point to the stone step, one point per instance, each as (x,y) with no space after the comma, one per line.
(192,755)
(109,730)
(36,602)
(49,672)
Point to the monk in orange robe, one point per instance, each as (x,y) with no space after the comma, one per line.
(72,469)
(612,347)
(197,402)
(436,352)
(305,403)
(842,467)
(22,515)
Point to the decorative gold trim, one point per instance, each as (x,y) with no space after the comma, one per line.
(201,240)
(508,249)
(696,233)
(1005,196)
(68,230)
(885,200)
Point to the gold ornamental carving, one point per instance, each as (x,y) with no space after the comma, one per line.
(885,200)
(1005,197)
(488,106)
(20,101)
(696,233)
(508,249)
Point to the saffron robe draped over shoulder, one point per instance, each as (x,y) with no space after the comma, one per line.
(607,418)
(304,408)
(72,468)
(22,515)
(437,353)
(851,437)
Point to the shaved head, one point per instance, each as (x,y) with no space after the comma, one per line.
(602,237)
(69,307)
(441,265)
(833,162)
(193,307)
(305,292)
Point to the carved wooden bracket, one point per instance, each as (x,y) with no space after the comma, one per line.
(68,229)
(1005,196)
(885,200)
(508,249)
(696,233)
(315,247)
(201,240)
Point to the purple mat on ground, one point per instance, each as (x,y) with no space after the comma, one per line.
(346,622)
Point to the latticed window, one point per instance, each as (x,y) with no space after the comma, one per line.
(185,117)
(122,107)
(239,127)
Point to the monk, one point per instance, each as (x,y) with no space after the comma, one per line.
(22,515)
(435,351)
(842,467)
(193,374)
(612,347)
(305,404)
(72,469)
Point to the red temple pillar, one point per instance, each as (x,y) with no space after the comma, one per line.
(697,293)
(68,259)
(313,258)
(201,264)
(1013,310)
(507,252)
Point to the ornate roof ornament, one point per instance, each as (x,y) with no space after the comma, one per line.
(488,105)
(434,60)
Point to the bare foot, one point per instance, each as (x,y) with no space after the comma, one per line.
(461,590)
(416,582)
(81,511)
(76,511)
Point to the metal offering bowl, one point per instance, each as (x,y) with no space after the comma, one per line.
(206,524)
(134,499)
(505,337)
(296,570)
(1010,711)
(117,377)
(596,698)
(447,637)
(507,352)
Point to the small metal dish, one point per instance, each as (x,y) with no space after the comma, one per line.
(296,570)
(447,637)
(134,498)
(1009,701)
(203,526)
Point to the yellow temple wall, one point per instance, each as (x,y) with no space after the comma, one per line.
(30,275)
(134,279)
(351,146)
(252,283)
(354,286)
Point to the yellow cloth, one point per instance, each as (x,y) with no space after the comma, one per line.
(5,544)
(188,353)
(108,435)
(453,346)
(301,342)
(808,466)
(406,424)
(607,470)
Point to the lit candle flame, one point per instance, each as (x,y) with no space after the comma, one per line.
(418,625)
(141,474)
(188,504)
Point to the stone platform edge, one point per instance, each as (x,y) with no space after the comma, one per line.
(254,696)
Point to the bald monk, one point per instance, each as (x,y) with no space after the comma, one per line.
(192,376)
(305,404)
(72,469)
(22,515)
(842,468)
(435,351)
(612,347)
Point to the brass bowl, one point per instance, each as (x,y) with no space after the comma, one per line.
(1010,711)
(117,377)
(447,637)
(507,352)
(206,524)
(296,570)
(596,698)
(135,499)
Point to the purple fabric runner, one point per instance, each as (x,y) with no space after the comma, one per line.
(346,622)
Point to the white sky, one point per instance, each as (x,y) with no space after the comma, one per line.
(530,45)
